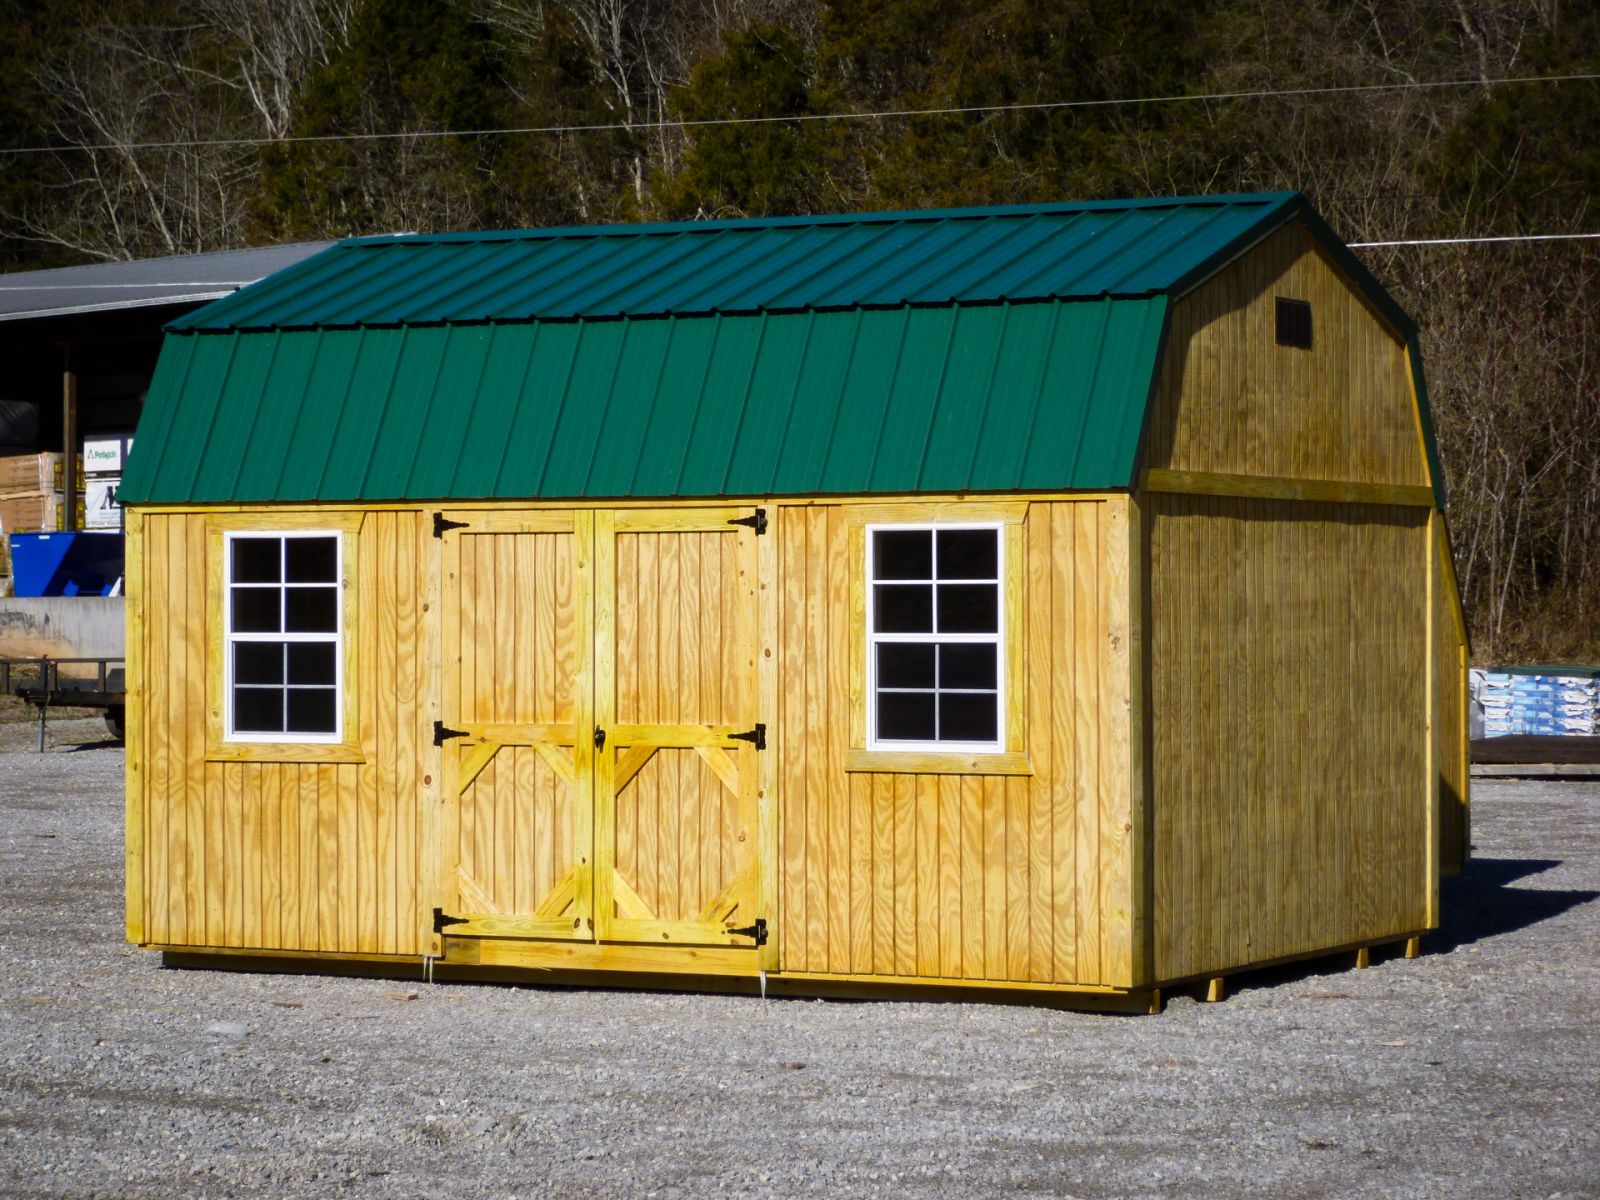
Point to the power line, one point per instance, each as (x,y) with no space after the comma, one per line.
(1472,241)
(708,122)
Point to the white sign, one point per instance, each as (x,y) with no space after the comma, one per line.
(100,507)
(102,456)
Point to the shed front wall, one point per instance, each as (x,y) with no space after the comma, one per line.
(1024,878)
(1293,781)
(948,874)
(301,856)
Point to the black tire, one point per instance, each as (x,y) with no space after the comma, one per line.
(114,716)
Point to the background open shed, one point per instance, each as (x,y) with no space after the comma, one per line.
(604,702)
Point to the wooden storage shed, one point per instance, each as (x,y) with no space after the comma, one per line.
(1051,598)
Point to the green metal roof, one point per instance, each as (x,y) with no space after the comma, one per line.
(979,349)
(888,400)
(874,260)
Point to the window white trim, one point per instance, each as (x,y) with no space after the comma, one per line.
(230,638)
(997,639)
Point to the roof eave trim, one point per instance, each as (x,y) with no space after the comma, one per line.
(153,302)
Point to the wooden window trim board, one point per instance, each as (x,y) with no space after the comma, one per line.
(1010,515)
(218,749)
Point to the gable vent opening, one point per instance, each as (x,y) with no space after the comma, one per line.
(1294,323)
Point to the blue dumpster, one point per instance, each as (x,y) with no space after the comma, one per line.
(65,564)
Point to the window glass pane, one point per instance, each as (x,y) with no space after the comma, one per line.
(905,665)
(258,710)
(258,662)
(902,608)
(905,716)
(311,559)
(312,663)
(967,665)
(965,717)
(969,608)
(311,710)
(310,609)
(969,554)
(256,559)
(902,554)
(256,610)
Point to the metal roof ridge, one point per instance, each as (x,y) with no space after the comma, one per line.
(1266,200)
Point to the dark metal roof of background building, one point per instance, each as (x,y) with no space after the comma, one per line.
(991,349)
(179,279)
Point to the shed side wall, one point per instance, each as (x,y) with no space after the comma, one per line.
(1291,780)
(1004,878)
(1231,401)
(280,856)
(1450,700)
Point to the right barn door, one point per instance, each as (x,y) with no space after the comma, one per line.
(677,731)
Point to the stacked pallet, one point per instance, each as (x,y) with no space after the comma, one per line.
(30,493)
(1515,702)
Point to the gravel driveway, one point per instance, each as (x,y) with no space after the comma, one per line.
(1472,1071)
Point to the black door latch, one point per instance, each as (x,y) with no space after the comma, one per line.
(757,931)
(757,736)
(441,734)
(599,738)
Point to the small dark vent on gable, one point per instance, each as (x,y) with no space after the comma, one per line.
(1294,323)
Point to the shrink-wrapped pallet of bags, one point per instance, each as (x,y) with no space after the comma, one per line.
(1517,702)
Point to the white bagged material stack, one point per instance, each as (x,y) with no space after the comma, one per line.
(1514,702)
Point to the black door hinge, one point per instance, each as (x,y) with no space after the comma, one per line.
(441,919)
(599,738)
(757,931)
(757,521)
(757,736)
(440,524)
(441,734)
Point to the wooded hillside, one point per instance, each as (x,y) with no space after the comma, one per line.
(176,126)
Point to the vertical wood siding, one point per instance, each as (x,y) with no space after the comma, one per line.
(1450,702)
(280,856)
(1022,878)
(1289,663)
(1231,400)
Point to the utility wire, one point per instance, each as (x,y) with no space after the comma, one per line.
(1042,106)
(1471,241)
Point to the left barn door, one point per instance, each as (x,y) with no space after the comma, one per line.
(517,829)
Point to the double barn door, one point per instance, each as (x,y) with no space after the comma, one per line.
(599,715)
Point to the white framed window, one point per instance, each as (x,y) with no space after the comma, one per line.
(283,660)
(936,663)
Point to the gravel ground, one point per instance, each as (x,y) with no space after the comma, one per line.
(1472,1071)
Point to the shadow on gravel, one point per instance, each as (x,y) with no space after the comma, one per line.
(1476,904)
(1479,903)
(103,744)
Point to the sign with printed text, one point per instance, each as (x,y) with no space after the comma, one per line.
(100,507)
(103,456)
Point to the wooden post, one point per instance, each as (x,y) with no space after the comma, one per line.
(1363,957)
(1413,947)
(69,455)
(1214,989)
